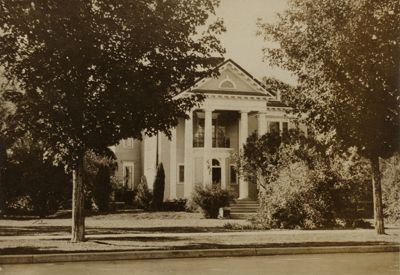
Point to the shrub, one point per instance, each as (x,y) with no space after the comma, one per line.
(158,188)
(44,188)
(211,198)
(98,187)
(391,188)
(102,189)
(310,189)
(174,205)
(143,195)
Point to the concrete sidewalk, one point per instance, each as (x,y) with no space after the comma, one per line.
(193,253)
(49,248)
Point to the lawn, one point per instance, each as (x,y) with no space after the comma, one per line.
(117,223)
(163,230)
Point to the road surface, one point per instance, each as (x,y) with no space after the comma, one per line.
(351,264)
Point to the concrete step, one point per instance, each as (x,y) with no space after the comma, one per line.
(244,209)
(244,206)
(243,202)
(242,216)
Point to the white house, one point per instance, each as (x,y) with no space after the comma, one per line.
(200,150)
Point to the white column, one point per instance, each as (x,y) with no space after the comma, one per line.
(243,134)
(188,187)
(149,159)
(223,174)
(172,167)
(262,124)
(207,180)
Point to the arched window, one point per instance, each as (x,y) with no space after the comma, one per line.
(215,163)
(216,172)
(227,84)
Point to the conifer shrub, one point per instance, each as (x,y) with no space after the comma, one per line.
(158,188)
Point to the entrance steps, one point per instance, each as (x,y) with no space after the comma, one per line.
(244,209)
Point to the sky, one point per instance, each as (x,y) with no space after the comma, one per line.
(240,40)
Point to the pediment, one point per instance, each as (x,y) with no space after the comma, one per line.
(233,79)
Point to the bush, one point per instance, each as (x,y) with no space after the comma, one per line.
(158,190)
(143,195)
(211,198)
(97,172)
(174,205)
(102,189)
(310,189)
(43,187)
(391,188)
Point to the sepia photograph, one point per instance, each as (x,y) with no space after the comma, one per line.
(200,137)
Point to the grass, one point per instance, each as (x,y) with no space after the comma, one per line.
(170,222)
(118,223)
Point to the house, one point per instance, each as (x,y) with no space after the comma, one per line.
(200,150)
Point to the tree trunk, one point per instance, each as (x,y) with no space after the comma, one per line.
(78,215)
(3,160)
(377,193)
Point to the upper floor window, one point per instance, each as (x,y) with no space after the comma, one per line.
(274,127)
(198,129)
(127,143)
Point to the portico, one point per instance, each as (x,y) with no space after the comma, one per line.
(201,148)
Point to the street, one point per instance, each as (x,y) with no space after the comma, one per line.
(358,263)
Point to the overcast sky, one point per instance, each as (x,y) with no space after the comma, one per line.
(240,40)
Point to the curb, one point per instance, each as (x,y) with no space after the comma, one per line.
(170,254)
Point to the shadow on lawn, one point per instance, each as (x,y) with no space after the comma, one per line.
(63,230)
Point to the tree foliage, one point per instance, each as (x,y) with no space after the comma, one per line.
(346,57)
(308,186)
(106,69)
(95,72)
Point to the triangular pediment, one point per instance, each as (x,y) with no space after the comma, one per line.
(232,79)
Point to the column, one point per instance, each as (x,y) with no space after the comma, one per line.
(262,123)
(188,187)
(149,159)
(173,167)
(243,134)
(207,180)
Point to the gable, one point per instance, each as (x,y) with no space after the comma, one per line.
(232,80)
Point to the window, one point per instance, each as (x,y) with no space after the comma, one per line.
(216,172)
(128,173)
(227,84)
(127,143)
(198,129)
(181,173)
(285,127)
(233,175)
(274,127)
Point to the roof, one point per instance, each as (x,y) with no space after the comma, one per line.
(258,82)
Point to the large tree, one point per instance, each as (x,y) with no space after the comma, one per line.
(346,56)
(95,71)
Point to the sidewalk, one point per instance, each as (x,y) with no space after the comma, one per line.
(51,248)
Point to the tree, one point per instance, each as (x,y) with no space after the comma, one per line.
(258,156)
(94,72)
(346,57)
(158,188)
